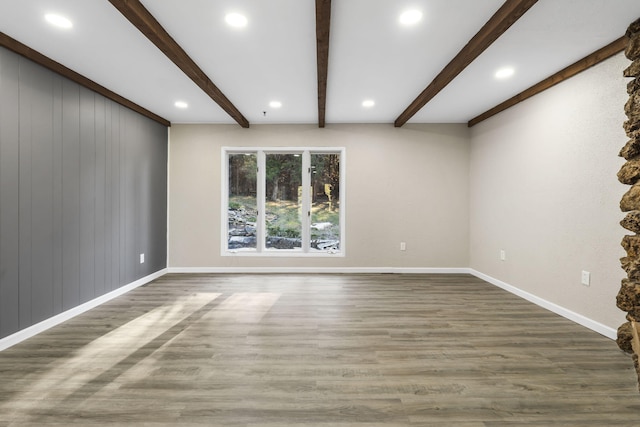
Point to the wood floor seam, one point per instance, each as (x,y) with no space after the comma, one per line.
(333,350)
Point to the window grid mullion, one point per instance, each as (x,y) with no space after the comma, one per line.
(261,197)
(306,201)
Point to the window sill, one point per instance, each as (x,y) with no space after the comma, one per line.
(283,254)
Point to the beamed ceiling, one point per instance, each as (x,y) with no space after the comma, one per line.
(319,59)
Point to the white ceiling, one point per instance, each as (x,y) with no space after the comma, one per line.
(371,56)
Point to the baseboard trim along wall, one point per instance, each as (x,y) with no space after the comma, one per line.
(317,270)
(55,320)
(564,312)
(33,330)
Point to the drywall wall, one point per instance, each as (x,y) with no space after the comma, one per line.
(83,191)
(543,188)
(408,184)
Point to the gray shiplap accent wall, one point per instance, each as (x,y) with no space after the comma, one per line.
(83,192)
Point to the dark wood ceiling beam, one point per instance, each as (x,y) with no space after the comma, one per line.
(500,22)
(323,23)
(38,58)
(142,19)
(573,69)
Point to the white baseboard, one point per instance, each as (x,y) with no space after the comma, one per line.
(555,308)
(564,312)
(319,270)
(57,319)
(33,330)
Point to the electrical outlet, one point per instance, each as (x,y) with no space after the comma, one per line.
(586,278)
(141,258)
(403,246)
(503,255)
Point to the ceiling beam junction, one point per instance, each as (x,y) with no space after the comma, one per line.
(500,22)
(323,23)
(142,19)
(40,59)
(588,61)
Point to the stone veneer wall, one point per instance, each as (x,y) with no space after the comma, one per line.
(628,298)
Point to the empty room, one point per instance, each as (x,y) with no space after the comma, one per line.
(320,213)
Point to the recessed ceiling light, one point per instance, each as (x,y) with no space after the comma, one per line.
(181,104)
(410,17)
(368,103)
(504,73)
(236,20)
(58,20)
(275,104)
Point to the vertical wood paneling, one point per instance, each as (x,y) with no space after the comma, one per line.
(87,195)
(124,188)
(70,194)
(100,190)
(24,226)
(134,198)
(57,223)
(157,232)
(108,177)
(41,107)
(9,196)
(82,180)
(131,199)
(115,216)
(142,197)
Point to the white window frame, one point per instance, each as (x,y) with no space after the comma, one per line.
(261,250)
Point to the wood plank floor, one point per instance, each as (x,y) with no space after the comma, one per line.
(318,350)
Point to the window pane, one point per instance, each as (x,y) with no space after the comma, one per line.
(325,202)
(243,209)
(283,201)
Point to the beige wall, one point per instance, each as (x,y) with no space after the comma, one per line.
(409,184)
(544,189)
(537,181)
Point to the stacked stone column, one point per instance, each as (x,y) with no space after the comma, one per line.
(628,298)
